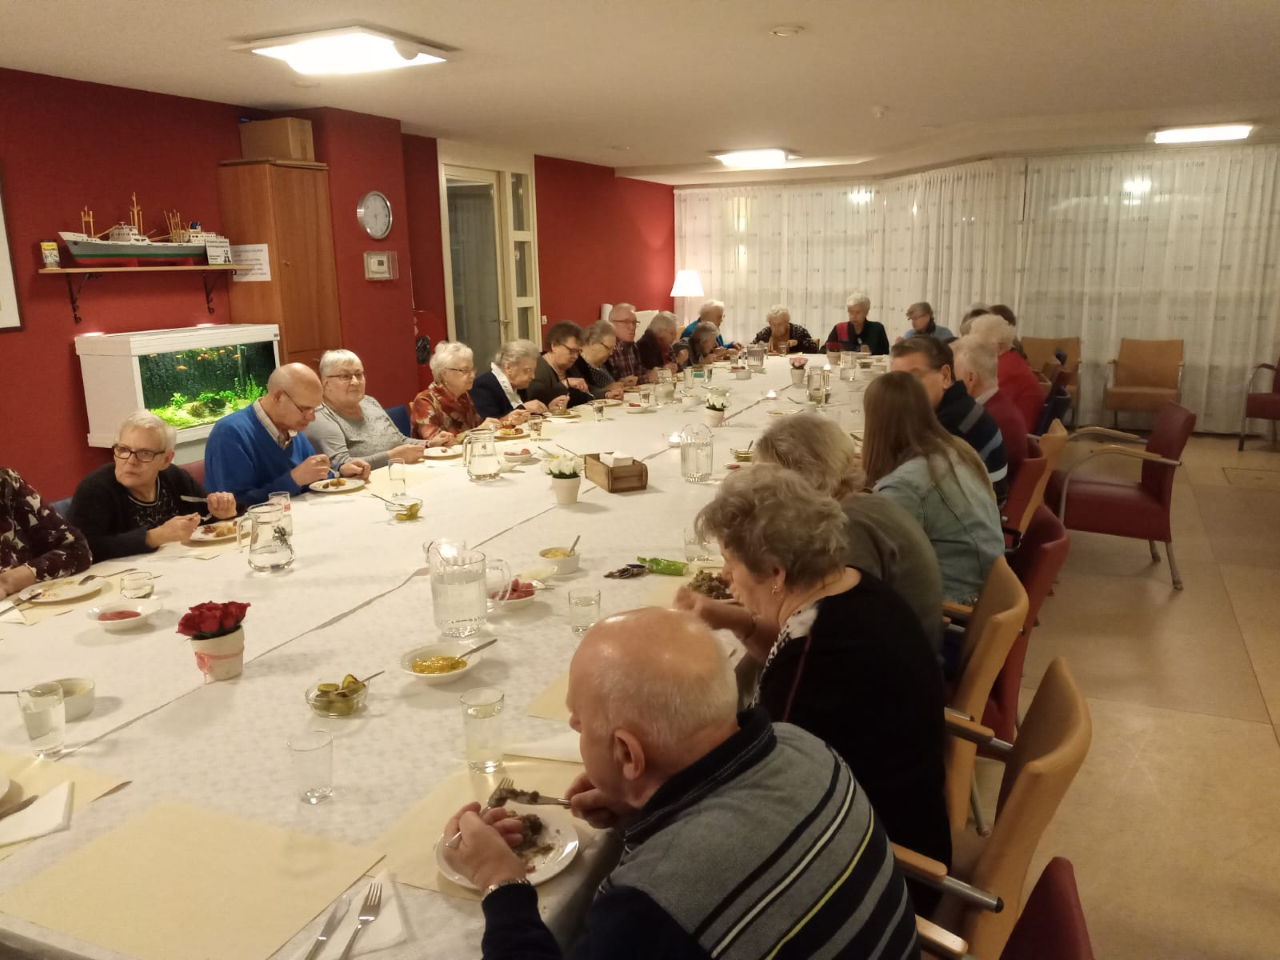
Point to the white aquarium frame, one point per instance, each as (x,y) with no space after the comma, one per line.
(113,379)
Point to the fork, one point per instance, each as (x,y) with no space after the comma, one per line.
(368,913)
(505,784)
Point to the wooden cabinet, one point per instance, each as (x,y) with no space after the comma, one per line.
(286,206)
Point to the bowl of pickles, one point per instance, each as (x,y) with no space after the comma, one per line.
(403,508)
(343,699)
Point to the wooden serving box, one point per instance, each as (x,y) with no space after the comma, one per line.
(634,476)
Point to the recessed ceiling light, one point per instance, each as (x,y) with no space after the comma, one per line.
(1221,131)
(346,50)
(1139,185)
(755,159)
(861,196)
(785,30)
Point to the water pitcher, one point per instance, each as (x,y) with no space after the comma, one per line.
(755,357)
(480,455)
(269,546)
(697,453)
(664,390)
(458,594)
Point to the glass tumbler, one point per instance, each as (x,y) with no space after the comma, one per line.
(584,609)
(396,474)
(597,407)
(482,728)
(312,755)
(45,716)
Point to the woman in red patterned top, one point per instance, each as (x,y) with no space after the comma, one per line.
(445,409)
(35,542)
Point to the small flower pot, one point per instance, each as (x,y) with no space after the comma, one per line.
(566,488)
(797,376)
(712,418)
(220,658)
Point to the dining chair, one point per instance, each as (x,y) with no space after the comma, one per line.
(196,469)
(1040,350)
(1057,403)
(1052,924)
(982,892)
(1144,377)
(1264,405)
(1101,503)
(1022,486)
(399,415)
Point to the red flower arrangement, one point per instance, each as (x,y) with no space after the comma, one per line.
(207,620)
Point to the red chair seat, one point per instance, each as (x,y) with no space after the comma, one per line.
(1263,406)
(1052,925)
(1103,504)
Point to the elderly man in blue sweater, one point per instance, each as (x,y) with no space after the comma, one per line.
(261,449)
(741,838)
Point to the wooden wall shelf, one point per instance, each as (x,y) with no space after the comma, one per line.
(209,271)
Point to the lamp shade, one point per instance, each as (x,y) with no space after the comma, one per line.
(687,284)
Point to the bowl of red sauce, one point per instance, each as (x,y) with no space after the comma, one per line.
(123,615)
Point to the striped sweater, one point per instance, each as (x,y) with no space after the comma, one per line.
(764,848)
(964,417)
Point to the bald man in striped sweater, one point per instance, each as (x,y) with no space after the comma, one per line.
(741,838)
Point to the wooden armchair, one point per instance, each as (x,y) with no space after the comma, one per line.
(982,893)
(1144,377)
(1264,405)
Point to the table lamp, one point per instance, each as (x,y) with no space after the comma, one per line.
(687,284)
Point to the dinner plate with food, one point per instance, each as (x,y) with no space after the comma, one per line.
(564,414)
(548,846)
(443,453)
(210,532)
(523,455)
(611,402)
(640,408)
(510,433)
(60,591)
(337,485)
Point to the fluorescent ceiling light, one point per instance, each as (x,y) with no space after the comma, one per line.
(347,50)
(754,159)
(1222,131)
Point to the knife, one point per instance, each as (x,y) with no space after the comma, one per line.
(336,916)
(19,807)
(185,498)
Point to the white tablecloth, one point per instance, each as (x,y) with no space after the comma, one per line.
(354,601)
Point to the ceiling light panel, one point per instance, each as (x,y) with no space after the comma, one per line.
(1213,134)
(754,159)
(345,51)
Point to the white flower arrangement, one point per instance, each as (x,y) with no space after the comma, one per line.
(564,468)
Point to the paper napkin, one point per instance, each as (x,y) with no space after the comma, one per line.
(386,931)
(49,814)
(563,746)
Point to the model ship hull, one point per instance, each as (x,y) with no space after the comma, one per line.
(110,253)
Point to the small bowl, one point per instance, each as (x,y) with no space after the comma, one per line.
(143,608)
(515,456)
(448,648)
(742,373)
(744,456)
(398,505)
(563,565)
(78,696)
(330,706)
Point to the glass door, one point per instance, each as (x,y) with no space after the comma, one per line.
(473,202)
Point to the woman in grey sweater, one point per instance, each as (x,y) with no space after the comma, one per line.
(352,424)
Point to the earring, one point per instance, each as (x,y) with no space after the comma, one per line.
(775,589)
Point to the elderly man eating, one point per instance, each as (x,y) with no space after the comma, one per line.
(740,837)
(259,450)
(134,504)
(711,311)
(624,362)
(655,345)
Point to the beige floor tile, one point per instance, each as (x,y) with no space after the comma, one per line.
(1242,524)
(1249,477)
(1130,637)
(1254,592)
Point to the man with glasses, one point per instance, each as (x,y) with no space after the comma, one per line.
(134,504)
(624,363)
(551,377)
(259,450)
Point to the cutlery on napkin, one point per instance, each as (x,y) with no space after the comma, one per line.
(49,814)
(386,931)
(563,747)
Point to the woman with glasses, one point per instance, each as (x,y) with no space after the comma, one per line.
(599,342)
(134,504)
(35,542)
(445,409)
(552,378)
(353,424)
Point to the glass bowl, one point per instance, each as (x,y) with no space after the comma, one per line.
(411,507)
(334,704)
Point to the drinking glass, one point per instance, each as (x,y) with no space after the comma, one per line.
(45,716)
(396,473)
(584,609)
(688,376)
(137,586)
(282,499)
(482,728)
(646,395)
(534,423)
(695,548)
(817,385)
(312,754)
(597,407)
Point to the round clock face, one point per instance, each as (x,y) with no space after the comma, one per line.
(374,214)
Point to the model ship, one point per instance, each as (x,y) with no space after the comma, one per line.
(125,244)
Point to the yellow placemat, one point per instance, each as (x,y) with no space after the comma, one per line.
(180,882)
(34,776)
(409,846)
(549,704)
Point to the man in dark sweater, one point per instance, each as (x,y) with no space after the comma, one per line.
(740,837)
(134,504)
(930,361)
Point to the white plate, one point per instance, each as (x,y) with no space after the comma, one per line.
(348,485)
(511,457)
(522,435)
(442,453)
(446,648)
(563,415)
(641,410)
(60,591)
(611,402)
(559,829)
(144,608)
(204,533)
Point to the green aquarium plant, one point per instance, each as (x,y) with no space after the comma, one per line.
(192,388)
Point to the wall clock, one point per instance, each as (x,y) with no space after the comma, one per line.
(374,214)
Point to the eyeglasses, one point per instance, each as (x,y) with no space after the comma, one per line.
(633,322)
(305,411)
(465,371)
(121,452)
(576,351)
(345,377)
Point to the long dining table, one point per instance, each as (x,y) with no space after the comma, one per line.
(354,601)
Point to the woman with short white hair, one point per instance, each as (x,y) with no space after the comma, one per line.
(134,504)
(711,311)
(1018,382)
(351,424)
(445,409)
(857,333)
(501,391)
(783,336)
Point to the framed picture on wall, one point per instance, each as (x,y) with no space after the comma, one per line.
(10,315)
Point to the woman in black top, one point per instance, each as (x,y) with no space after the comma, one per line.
(844,656)
(783,336)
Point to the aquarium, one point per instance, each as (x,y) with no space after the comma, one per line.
(191,388)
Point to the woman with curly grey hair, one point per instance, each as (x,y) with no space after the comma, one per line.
(844,657)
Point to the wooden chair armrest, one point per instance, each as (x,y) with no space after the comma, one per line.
(953,610)
(1105,432)
(918,865)
(939,942)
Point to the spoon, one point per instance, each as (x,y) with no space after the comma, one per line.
(487,643)
(378,674)
(574,547)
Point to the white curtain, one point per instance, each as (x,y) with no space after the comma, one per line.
(1152,244)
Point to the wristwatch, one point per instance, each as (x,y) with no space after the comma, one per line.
(522,881)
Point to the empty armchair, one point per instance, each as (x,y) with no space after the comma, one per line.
(1052,925)
(1098,503)
(1261,406)
(1146,376)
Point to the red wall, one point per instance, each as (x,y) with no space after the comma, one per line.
(601,239)
(65,144)
(426,242)
(364,153)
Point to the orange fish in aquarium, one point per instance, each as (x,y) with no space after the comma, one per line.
(180,367)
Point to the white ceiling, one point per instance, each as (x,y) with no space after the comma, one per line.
(652,86)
